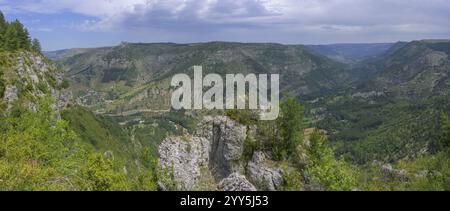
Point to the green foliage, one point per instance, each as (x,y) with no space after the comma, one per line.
(37,152)
(387,130)
(445,126)
(3,27)
(14,36)
(2,84)
(250,147)
(98,132)
(98,174)
(65,84)
(426,173)
(166,177)
(36,46)
(323,168)
(245,117)
(293,180)
(40,152)
(290,129)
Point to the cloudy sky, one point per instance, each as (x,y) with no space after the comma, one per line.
(91,23)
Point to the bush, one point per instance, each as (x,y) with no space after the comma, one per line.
(293,180)
(250,147)
(324,170)
(98,175)
(2,86)
(40,152)
(290,130)
(445,127)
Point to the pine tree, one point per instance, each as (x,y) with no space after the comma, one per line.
(290,128)
(3,27)
(36,46)
(445,125)
(17,37)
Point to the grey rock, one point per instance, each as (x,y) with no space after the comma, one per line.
(186,156)
(259,173)
(389,172)
(217,146)
(40,76)
(227,140)
(11,94)
(236,182)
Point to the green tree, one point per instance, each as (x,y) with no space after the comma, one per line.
(324,170)
(36,46)
(3,27)
(98,175)
(17,37)
(445,125)
(290,129)
(2,85)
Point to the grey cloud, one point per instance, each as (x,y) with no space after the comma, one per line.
(259,20)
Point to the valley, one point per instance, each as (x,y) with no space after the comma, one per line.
(385,107)
(352,117)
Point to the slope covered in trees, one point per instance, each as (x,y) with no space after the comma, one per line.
(14,36)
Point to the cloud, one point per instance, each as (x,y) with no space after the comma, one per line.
(289,20)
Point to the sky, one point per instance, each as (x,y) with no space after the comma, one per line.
(61,24)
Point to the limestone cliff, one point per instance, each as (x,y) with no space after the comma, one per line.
(217,149)
(29,76)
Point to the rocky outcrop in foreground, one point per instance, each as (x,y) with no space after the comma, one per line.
(217,148)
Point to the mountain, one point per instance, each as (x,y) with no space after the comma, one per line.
(380,112)
(416,70)
(393,111)
(61,54)
(134,77)
(351,53)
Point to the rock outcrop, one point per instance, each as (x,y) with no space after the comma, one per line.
(217,147)
(235,182)
(185,156)
(33,74)
(227,140)
(389,172)
(260,173)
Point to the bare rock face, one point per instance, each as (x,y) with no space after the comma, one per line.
(33,74)
(227,144)
(236,182)
(217,147)
(260,173)
(11,94)
(185,156)
(389,172)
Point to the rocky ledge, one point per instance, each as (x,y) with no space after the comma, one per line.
(217,148)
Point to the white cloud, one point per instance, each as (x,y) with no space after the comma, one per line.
(292,17)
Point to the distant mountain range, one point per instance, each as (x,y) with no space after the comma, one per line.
(351,53)
(334,81)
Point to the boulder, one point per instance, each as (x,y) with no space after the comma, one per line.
(235,182)
(258,172)
(185,157)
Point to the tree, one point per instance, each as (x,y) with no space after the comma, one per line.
(36,46)
(14,36)
(17,37)
(2,85)
(3,27)
(290,129)
(445,125)
(323,168)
